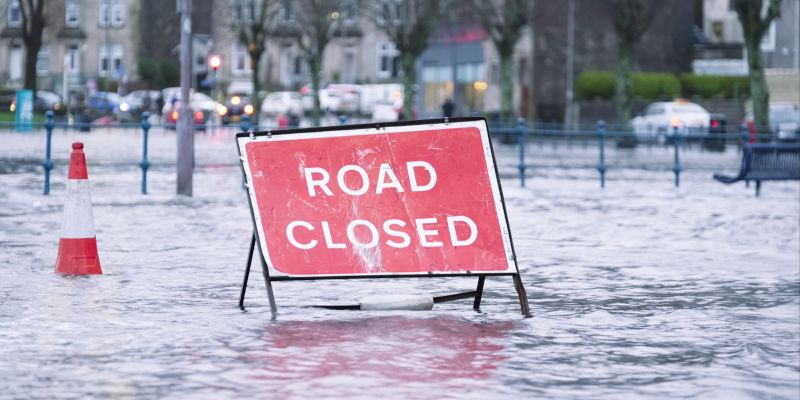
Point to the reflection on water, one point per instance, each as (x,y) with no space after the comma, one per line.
(379,352)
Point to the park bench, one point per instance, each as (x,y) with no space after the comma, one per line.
(767,162)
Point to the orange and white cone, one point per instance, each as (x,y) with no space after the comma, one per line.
(77,249)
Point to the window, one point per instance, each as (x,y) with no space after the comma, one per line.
(244,13)
(349,12)
(43,61)
(387,60)
(241,61)
(349,65)
(105,12)
(73,59)
(118,13)
(389,12)
(14,13)
(72,15)
(111,61)
(286,14)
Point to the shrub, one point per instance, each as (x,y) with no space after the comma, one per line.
(707,86)
(594,84)
(654,85)
(648,85)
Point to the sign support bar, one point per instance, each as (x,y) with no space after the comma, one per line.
(477,294)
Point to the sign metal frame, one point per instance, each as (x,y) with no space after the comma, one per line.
(244,137)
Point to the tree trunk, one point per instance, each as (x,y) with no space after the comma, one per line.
(622,95)
(254,62)
(759,92)
(31,57)
(507,84)
(408,63)
(622,85)
(316,65)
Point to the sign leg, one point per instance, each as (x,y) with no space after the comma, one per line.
(523,297)
(247,271)
(478,293)
(272,305)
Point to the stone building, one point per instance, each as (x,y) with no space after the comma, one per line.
(88,42)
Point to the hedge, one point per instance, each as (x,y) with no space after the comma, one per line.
(707,86)
(655,85)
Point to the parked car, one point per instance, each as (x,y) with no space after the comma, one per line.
(784,122)
(349,97)
(386,111)
(136,102)
(105,102)
(199,101)
(173,113)
(659,119)
(235,107)
(277,103)
(44,102)
(49,101)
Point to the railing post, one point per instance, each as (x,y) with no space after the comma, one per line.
(145,164)
(342,119)
(245,124)
(522,129)
(601,167)
(48,162)
(676,139)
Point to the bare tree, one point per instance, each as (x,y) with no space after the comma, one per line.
(755,20)
(33,24)
(503,21)
(254,19)
(630,18)
(409,24)
(316,22)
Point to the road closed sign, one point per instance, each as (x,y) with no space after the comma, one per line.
(412,199)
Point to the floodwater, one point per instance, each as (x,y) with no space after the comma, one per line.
(640,290)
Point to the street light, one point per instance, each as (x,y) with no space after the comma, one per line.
(215,62)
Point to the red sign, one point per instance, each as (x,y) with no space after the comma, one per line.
(412,199)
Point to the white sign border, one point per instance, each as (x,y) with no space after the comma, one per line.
(480,124)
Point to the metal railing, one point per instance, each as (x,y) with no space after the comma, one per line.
(519,134)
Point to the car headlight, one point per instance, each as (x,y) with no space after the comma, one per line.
(248,109)
(124,107)
(222,110)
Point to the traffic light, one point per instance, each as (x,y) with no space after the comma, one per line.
(215,61)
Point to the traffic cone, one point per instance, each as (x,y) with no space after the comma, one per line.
(77,248)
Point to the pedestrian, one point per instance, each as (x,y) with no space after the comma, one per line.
(293,120)
(159,104)
(283,122)
(448,107)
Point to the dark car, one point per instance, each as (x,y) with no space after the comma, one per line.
(103,103)
(236,106)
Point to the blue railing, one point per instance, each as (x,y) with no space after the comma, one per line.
(519,134)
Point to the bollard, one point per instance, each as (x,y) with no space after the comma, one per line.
(245,124)
(145,164)
(676,139)
(601,167)
(48,163)
(342,119)
(522,129)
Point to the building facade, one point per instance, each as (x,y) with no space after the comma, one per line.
(85,43)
